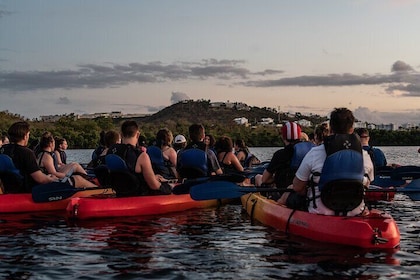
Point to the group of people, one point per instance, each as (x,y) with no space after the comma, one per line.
(43,164)
(320,166)
(201,155)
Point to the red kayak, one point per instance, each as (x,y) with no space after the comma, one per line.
(376,230)
(21,203)
(91,207)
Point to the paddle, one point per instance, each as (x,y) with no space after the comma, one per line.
(185,187)
(55,191)
(223,189)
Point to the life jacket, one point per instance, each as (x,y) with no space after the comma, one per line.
(192,161)
(159,164)
(127,152)
(292,157)
(52,154)
(300,149)
(341,178)
(63,156)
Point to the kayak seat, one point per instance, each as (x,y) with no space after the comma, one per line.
(102,174)
(11,181)
(124,182)
(341,181)
(192,163)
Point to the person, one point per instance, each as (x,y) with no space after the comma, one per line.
(227,159)
(195,160)
(142,143)
(342,141)
(48,164)
(279,171)
(4,140)
(111,137)
(24,158)
(138,164)
(376,154)
(209,140)
(162,155)
(244,155)
(60,151)
(304,137)
(321,131)
(101,147)
(180,142)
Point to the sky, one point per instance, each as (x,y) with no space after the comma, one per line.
(133,56)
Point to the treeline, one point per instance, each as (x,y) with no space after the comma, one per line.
(84,133)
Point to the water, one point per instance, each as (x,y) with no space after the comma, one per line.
(208,244)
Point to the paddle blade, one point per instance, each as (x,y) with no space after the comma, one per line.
(412,190)
(218,190)
(52,192)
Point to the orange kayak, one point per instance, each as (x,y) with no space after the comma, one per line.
(376,230)
(21,203)
(91,207)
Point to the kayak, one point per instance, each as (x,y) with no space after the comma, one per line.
(377,230)
(23,202)
(374,196)
(92,207)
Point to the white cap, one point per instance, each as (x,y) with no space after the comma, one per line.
(180,139)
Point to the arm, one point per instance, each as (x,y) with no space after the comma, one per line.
(235,162)
(299,186)
(41,178)
(267,177)
(48,163)
(144,166)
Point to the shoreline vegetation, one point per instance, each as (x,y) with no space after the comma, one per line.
(218,121)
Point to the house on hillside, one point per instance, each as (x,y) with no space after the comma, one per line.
(266,121)
(241,121)
(304,123)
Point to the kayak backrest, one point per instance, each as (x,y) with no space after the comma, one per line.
(192,163)
(115,162)
(122,180)
(341,181)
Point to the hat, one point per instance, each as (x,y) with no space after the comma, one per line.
(290,131)
(180,139)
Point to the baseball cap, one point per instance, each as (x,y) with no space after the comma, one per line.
(180,139)
(291,131)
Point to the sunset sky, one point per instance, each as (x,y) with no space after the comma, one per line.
(60,57)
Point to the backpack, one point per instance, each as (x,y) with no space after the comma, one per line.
(341,181)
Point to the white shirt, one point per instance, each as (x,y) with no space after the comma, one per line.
(313,162)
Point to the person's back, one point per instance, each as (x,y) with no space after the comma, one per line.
(341,123)
(279,171)
(227,159)
(195,160)
(138,164)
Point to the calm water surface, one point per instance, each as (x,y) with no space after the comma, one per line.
(208,244)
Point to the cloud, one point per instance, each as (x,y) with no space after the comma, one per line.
(92,76)
(400,66)
(366,115)
(117,75)
(4,13)
(63,100)
(179,96)
(403,78)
